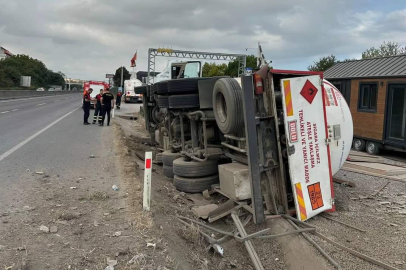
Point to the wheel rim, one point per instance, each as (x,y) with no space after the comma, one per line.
(357,144)
(371,147)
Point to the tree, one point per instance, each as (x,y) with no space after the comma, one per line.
(12,68)
(386,49)
(117,76)
(324,63)
(232,68)
(211,69)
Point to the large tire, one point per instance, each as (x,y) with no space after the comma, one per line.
(187,85)
(168,171)
(185,168)
(373,148)
(168,157)
(184,101)
(358,144)
(162,87)
(228,106)
(195,185)
(163,101)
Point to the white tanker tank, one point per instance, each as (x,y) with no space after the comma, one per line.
(338,117)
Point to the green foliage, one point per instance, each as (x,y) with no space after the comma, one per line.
(232,69)
(386,49)
(12,68)
(211,69)
(324,63)
(117,76)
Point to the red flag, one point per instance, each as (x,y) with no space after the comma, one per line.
(133,64)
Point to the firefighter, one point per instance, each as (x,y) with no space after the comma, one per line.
(118,101)
(107,102)
(98,109)
(86,106)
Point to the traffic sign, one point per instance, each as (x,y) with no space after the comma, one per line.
(109,76)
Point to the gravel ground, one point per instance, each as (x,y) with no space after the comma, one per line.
(382,217)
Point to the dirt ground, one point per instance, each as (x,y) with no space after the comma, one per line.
(96,224)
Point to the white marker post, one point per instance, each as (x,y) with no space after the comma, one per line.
(147,181)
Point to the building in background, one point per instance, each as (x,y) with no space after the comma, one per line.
(4,53)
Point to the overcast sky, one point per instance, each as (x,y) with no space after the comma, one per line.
(88,38)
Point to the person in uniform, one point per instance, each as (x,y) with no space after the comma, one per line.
(98,109)
(107,102)
(86,106)
(118,101)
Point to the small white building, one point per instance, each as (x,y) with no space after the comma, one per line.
(4,53)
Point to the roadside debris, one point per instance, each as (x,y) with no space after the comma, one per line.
(40,173)
(137,258)
(92,156)
(204,210)
(114,187)
(73,187)
(151,245)
(44,229)
(111,262)
(117,234)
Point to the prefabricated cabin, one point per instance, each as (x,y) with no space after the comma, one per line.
(375,90)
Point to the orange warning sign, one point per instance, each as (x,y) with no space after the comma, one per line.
(315,196)
(300,201)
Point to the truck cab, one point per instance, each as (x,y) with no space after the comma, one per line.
(178,70)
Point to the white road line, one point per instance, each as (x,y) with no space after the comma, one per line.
(21,144)
(5,112)
(41,104)
(14,110)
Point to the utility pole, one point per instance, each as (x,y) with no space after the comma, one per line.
(121,84)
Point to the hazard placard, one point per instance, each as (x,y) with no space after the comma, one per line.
(309,163)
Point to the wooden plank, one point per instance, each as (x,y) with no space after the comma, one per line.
(400,178)
(379,168)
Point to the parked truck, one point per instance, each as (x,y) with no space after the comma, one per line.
(273,139)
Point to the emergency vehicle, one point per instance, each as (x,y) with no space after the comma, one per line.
(96,86)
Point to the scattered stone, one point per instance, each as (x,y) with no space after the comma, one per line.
(80,178)
(44,229)
(109,268)
(21,248)
(114,187)
(106,214)
(151,245)
(92,156)
(28,170)
(53,229)
(117,234)
(63,222)
(40,173)
(362,197)
(137,258)
(111,262)
(95,223)
(276,259)
(73,187)
(384,203)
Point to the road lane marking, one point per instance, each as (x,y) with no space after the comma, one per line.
(5,112)
(41,104)
(21,144)
(14,110)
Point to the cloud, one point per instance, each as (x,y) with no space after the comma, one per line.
(88,38)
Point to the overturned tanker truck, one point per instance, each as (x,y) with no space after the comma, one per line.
(272,139)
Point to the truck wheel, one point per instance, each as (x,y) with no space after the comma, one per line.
(186,168)
(161,87)
(372,148)
(163,101)
(168,171)
(195,185)
(168,157)
(184,101)
(358,144)
(228,106)
(186,85)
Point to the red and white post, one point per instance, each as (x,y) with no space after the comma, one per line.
(147,181)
